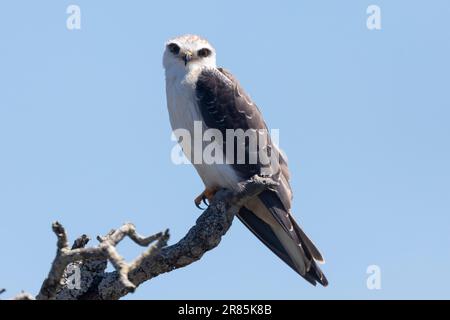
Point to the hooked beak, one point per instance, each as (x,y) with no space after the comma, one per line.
(187,57)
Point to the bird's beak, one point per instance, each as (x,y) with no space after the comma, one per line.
(187,57)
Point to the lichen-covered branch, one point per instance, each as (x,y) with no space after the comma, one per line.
(86,266)
(104,251)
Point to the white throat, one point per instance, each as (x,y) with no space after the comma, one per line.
(177,71)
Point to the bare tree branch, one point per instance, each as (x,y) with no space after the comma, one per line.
(89,263)
(105,250)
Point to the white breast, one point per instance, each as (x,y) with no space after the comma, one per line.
(183,111)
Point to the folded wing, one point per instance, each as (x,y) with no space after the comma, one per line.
(224,105)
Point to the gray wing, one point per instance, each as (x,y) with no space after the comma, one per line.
(224,105)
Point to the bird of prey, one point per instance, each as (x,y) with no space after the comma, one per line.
(198,90)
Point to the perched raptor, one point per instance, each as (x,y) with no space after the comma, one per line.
(198,91)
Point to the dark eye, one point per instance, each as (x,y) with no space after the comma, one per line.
(205,52)
(174,48)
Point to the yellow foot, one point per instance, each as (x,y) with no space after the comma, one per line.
(208,194)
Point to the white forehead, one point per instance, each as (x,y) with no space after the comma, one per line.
(191,41)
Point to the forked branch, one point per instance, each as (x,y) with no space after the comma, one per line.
(79,272)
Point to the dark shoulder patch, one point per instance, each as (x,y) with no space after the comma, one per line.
(224,105)
(216,100)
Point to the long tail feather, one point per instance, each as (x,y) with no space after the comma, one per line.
(266,234)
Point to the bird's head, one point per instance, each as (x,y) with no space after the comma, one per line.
(188,52)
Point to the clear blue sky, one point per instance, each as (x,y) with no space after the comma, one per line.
(363,116)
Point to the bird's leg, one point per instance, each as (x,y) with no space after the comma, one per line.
(207,194)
